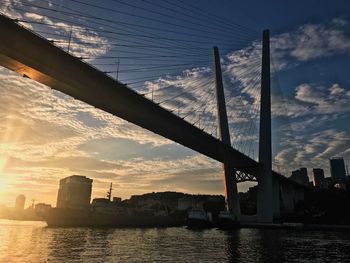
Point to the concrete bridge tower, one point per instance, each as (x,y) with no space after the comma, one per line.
(264,197)
(231,192)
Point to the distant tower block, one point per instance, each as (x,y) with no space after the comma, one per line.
(20,202)
(338,171)
(300,176)
(264,198)
(231,192)
(318,174)
(74,192)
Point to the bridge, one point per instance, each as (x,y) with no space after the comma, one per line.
(32,56)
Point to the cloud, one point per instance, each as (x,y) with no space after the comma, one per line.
(32,103)
(82,42)
(308,42)
(243,69)
(311,100)
(333,142)
(321,100)
(287,107)
(72,163)
(201,180)
(320,41)
(190,95)
(8,8)
(314,149)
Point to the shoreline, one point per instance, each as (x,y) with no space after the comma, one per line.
(297,226)
(243,225)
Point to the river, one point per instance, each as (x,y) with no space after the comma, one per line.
(34,242)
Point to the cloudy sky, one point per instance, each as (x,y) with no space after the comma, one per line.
(163,50)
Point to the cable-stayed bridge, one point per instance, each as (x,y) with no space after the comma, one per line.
(40,59)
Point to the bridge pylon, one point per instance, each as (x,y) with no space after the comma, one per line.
(231,192)
(264,196)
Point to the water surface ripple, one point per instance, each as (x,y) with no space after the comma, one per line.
(34,242)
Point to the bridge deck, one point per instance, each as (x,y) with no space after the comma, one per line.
(28,54)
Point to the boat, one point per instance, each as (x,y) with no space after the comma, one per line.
(227,221)
(198,218)
(66,217)
(104,212)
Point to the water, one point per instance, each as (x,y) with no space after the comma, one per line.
(34,242)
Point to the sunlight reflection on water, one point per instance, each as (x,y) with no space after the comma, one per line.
(34,242)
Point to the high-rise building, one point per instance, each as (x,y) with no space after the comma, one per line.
(20,201)
(303,174)
(319,181)
(300,176)
(74,192)
(338,172)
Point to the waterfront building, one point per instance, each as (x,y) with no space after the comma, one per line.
(304,175)
(340,185)
(300,176)
(20,201)
(74,192)
(42,208)
(328,182)
(319,181)
(337,166)
(185,203)
(104,205)
(117,200)
(148,202)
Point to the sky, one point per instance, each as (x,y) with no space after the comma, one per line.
(163,50)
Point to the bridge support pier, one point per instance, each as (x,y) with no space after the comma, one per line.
(231,192)
(264,202)
(276,186)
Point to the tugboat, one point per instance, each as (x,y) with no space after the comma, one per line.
(227,221)
(198,218)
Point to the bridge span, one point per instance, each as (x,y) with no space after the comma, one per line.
(32,56)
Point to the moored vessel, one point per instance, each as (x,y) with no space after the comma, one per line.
(64,217)
(227,221)
(198,218)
